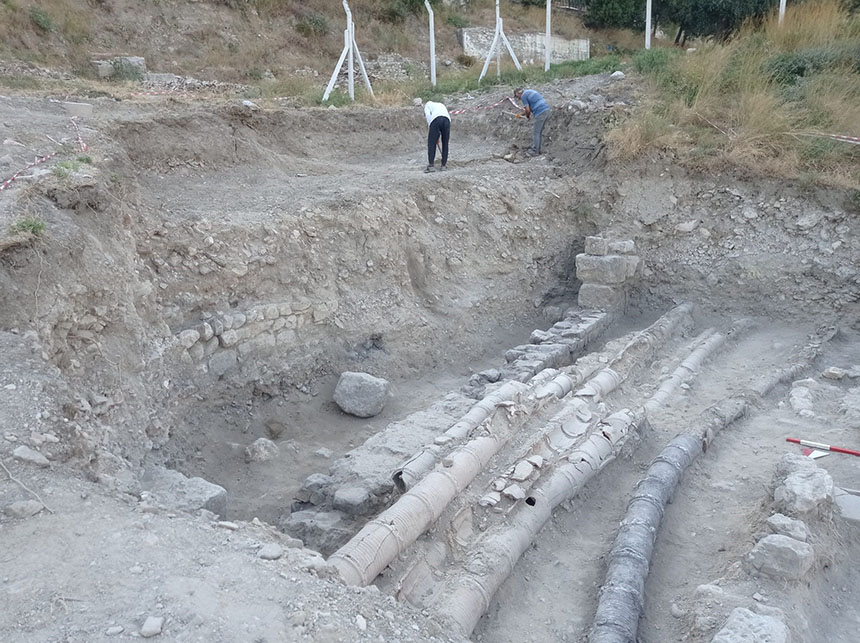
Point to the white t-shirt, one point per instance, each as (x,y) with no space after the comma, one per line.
(433,110)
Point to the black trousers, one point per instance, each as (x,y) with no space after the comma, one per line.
(440,126)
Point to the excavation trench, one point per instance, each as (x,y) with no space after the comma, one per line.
(280,262)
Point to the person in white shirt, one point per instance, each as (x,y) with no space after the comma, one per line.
(439,123)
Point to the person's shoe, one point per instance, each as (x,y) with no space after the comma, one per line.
(443,168)
(428,169)
(532,153)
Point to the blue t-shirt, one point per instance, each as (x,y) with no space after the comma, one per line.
(535,102)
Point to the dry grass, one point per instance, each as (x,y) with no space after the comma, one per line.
(740,103)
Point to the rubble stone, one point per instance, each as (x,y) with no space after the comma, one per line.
(261,450)
(361,394)
(609,269)
(177,491)
(781,557)
(782,524)
(744,626)
(355,500)
(803,492)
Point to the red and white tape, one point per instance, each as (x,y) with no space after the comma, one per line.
(38,161)
(854,140)
(83,146)
(42,159)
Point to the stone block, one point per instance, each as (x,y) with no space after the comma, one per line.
(24,453)
(196,352)
(261,450)
(176,491)
(188,337)
(285,308)
(602,297)
(271,312)
(81,110)
(626,247)
(222,362)
(353,500)
(103,68)
(607,270)
(361,394)
(596,246)
(286,338)
(782,524)
(803,492)
(315,488)
(848,503)
(634,266)
(744,626)
(261,345)
(211,346)
(229,338)
(780,557)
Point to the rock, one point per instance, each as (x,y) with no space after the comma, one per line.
(188,337)
(803,492)
(792,463)
(808,221)
(602,297)
(360,622)
(23,508)
(355,501)
(270,551)
(361,394)
(833,373)
(315,488)
(114,630)
(323,452)
(324,531)
(606,270)
(848,503)
(83,110)
(744,626)
(223,361)
(676,611)
(152,626)
(780,557)
(26,454)
(177,491)
(261,450)
(782,524)
(617,75)
(596,246)
(687,226)
(491,374)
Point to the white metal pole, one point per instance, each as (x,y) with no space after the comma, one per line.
(490,53)
(499,50)
(549,34)
(648,24)
(510,49)
(337,67)
(350,71)
(361,65)
(432,44)
(781,10)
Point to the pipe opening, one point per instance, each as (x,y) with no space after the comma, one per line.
(530,501)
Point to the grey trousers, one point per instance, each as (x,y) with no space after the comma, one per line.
(537,134)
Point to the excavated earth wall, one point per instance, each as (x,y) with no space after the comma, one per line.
(206,272)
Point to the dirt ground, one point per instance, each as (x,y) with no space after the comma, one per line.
(181,215)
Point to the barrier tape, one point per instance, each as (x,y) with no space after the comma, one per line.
(854,140)
(83,146)
(38,161)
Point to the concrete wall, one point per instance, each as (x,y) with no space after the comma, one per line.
(529,47)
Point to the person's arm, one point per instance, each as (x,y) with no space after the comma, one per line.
(527,110)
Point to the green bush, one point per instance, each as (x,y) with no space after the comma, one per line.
(457,21)
(788,68)
(41,19)
(653,61)
(124,71)
(398,10)
(313,25)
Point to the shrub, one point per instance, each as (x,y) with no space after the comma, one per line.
(466,60)
(29,226)
(41,19)
(122,70)
(652,61)
(458,21)
(313,25)
(787,68)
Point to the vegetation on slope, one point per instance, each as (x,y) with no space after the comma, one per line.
(759,100)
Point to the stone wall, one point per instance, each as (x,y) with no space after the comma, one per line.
(529,47)
(223,340)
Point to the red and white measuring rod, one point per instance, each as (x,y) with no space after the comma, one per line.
(823,447)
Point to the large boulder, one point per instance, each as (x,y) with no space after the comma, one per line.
(781,557)
(176,491)
(361,394)
(803,492)
(744,626)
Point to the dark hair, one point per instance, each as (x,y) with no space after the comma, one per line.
(518,90)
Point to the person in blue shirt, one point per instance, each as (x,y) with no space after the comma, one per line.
(534,105)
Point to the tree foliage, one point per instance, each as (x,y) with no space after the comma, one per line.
(696,17)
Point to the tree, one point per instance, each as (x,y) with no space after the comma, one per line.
(626,14)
